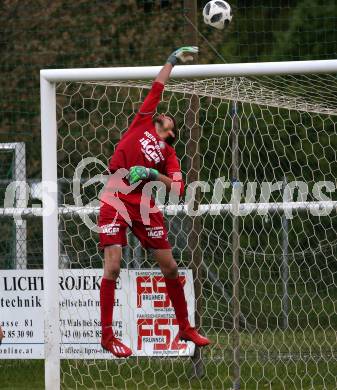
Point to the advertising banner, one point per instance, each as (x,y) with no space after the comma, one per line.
(143,315)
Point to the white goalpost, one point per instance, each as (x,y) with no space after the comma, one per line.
(259,122)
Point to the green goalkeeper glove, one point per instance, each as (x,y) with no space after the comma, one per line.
(139,173)
(183,54)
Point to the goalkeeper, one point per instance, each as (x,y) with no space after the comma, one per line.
(146,151)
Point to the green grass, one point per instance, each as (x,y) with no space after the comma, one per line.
(161,373)
(270,360)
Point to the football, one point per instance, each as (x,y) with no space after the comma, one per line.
(218,14)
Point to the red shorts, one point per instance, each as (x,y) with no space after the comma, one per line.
(151,233)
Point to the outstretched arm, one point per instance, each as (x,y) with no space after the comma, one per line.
(183,54)
(164,73)
(147,109)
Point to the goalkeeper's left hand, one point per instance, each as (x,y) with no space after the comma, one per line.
(183,54)
(138,173)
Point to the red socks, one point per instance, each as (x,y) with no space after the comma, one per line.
(107,299)
(175,291)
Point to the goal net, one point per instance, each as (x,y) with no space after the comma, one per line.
(6,174)
(262,248)
(13,247)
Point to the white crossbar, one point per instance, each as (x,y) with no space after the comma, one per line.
(262,208)
(192,71)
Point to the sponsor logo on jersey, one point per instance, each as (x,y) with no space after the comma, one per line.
(151,148)
(155,232)
(110,229)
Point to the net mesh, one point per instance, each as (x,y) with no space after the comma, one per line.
(274,319)
(7,251)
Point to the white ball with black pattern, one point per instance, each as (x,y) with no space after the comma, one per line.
(218,14)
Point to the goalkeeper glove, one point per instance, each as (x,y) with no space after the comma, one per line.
(183,54)
(138,173)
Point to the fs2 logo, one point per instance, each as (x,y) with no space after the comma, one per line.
(159,332)
(153,288)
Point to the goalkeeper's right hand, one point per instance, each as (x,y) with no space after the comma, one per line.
(183,54)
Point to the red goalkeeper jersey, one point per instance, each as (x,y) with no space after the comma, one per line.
(140,144)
